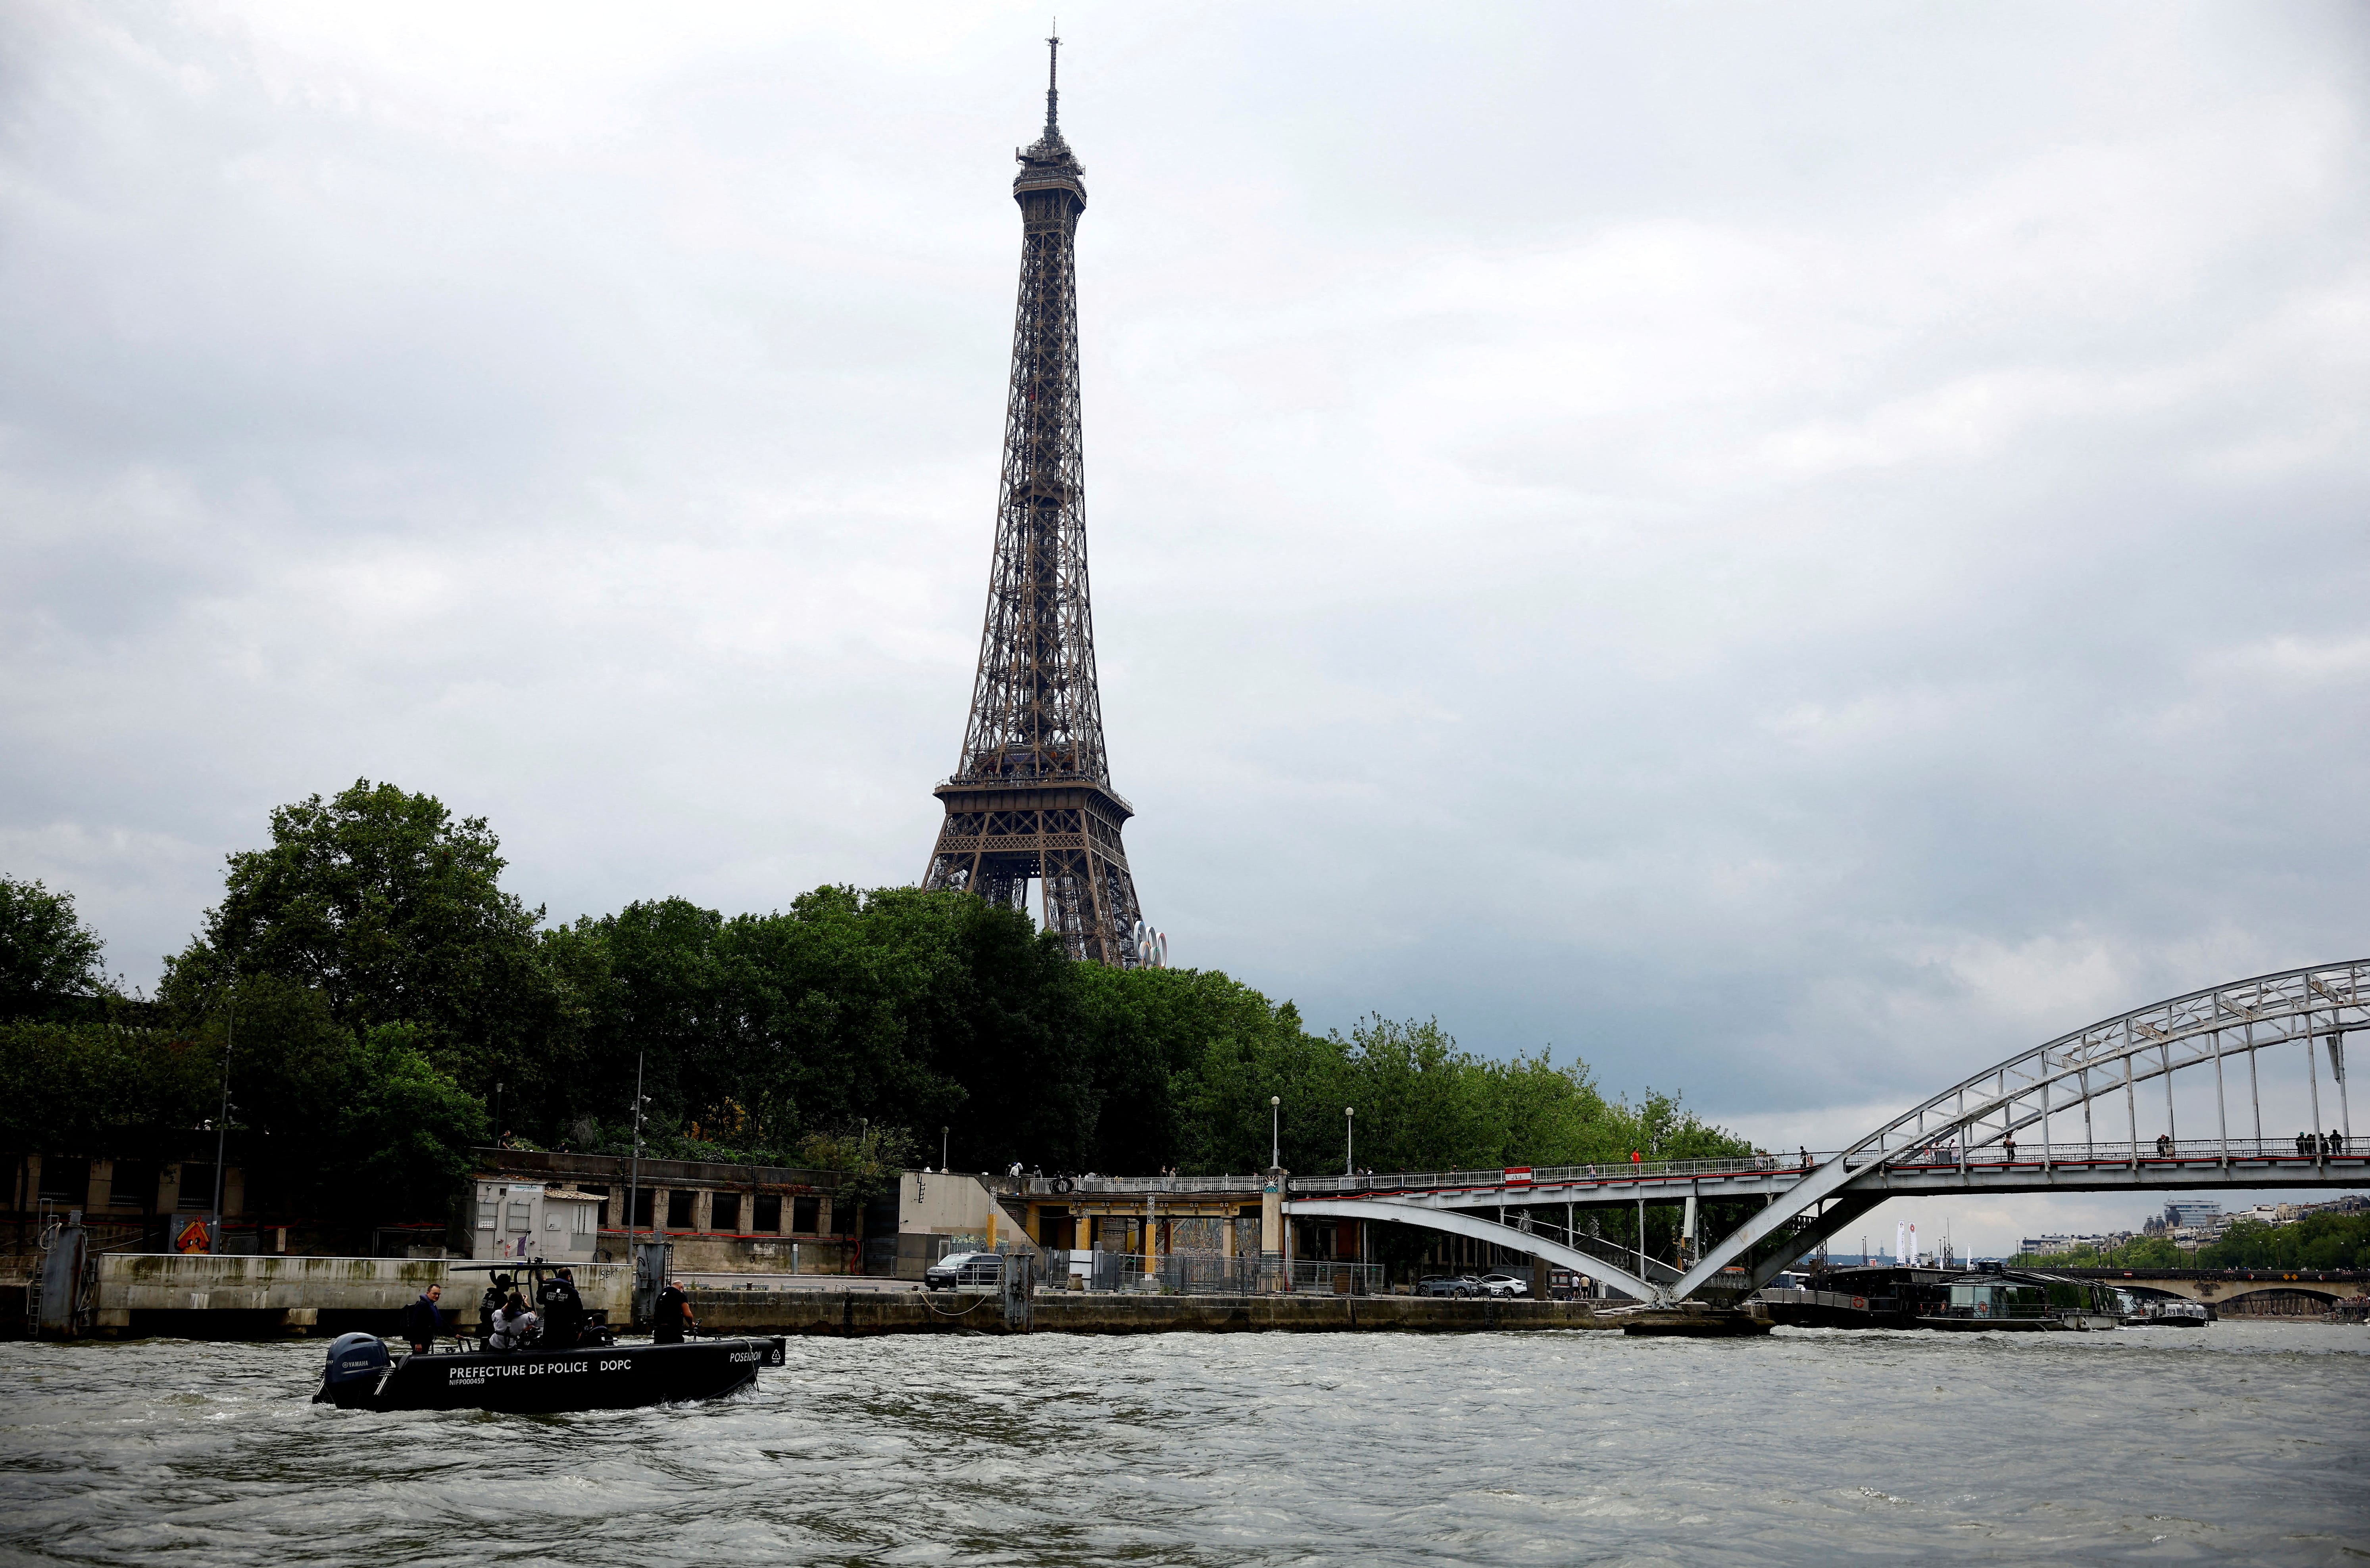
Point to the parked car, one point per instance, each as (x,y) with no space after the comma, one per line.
(1505,1284)
(1450,1285)
(964,1268)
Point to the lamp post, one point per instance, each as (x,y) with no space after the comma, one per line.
(222,1124)
(1349,1140)
(1275,1132)
(634,1173)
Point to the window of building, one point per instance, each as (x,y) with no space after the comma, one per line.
(487,1205)
(679,1204)
(520,1209)
(197,1187)
(806,1215)
(643,1197)
(601,1219)
(65,1181)
(133,1184)
(769,1215)
(724,1211)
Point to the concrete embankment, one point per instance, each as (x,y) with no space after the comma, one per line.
(855,1314)
(143,1295)
(161,1295)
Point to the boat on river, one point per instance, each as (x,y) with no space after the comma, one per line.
(2164,1313)
(589,1369)
(1987,1300)
(361,1375)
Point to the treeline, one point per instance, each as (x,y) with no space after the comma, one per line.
(384,1000)
(2317,1241)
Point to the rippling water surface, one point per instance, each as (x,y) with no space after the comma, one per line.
(2234,1443)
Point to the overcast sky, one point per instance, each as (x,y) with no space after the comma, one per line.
(1791,552)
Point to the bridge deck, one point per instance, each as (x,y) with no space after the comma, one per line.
(2066,1167)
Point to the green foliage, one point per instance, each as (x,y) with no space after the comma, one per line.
(899,1007)
(404,1127)
(1421,1104)
(100,1088)
(372,983)
(2140,1252)
(49,959)
(2317,1241)
(392,912)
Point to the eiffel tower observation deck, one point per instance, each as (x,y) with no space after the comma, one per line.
(1032,799)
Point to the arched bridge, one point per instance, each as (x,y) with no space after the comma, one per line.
(2064,1116)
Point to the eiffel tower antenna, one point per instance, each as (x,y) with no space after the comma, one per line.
(1030,799)
(1053,77)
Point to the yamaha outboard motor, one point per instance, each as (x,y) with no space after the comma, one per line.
(357,1362)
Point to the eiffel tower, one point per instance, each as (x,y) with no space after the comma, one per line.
(1032,799)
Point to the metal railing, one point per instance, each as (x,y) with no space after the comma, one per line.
(1204,1273)
(1554,1175)
(1057,1187)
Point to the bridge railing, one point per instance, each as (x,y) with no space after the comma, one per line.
(1052,1186)
(1992,1155)
(1550,1175)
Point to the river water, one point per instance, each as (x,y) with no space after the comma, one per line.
(2239,1442)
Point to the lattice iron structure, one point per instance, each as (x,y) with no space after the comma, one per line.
(1032,799)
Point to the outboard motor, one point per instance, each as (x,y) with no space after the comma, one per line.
(357,1363)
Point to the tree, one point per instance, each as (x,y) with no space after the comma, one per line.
(49,959)
(393,911)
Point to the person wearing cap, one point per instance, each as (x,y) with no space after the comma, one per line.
(489,1306)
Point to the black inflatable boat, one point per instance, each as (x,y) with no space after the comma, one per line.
(363,1376)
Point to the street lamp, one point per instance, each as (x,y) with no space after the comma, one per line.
(1275,1132)
(634,1172)
(1349,1140)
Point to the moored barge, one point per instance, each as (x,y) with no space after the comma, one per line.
(1982,1300)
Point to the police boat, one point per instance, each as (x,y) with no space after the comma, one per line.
(594,1372)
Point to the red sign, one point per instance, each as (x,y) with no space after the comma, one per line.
(1518,1175)
(193,1238)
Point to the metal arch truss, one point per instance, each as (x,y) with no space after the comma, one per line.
(1489,1230)
(1032,797)
(2100,1065)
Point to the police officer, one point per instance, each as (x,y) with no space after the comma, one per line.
(563,1312)
(496,1292)
(673,1316)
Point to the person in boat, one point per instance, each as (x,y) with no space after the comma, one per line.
(674,1316)
(489,1305)
(423,1320)
(563,1312)
(516,1326)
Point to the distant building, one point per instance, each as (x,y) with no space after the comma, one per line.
(719,1218)
(2193,1215)
(2101,1242)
